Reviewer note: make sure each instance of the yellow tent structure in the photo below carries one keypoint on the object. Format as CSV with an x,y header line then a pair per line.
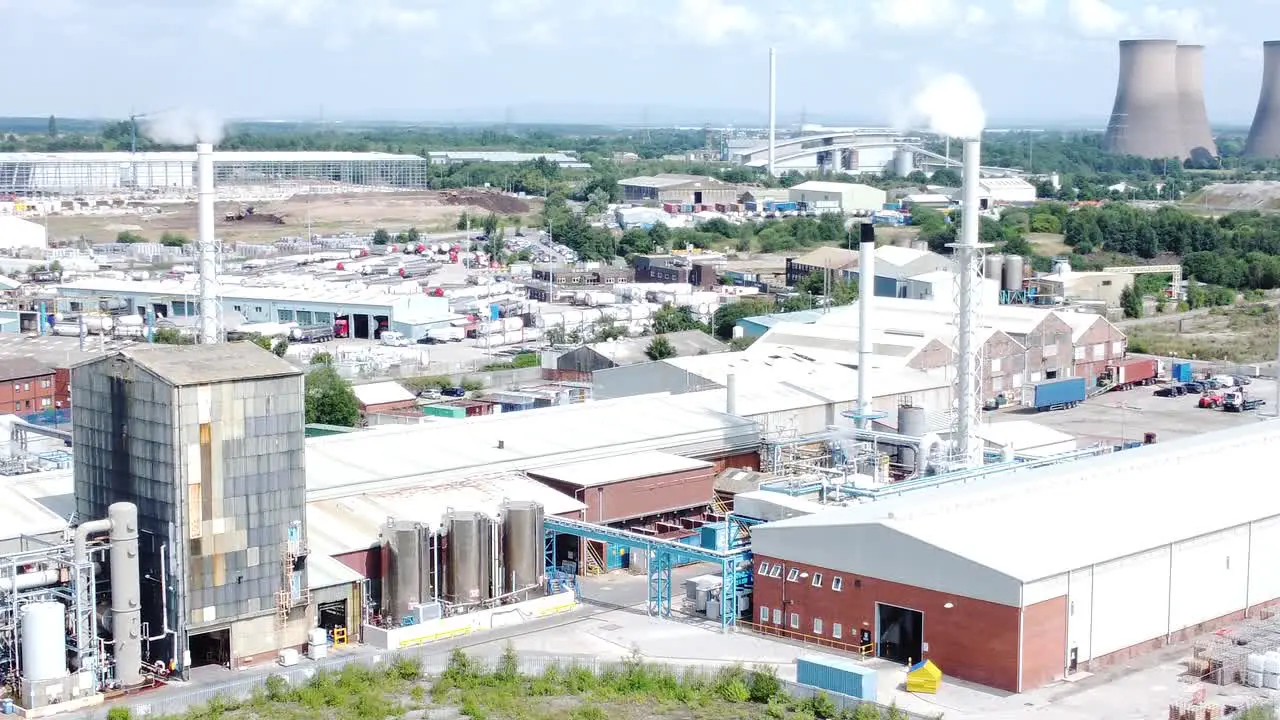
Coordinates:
x,y
924,677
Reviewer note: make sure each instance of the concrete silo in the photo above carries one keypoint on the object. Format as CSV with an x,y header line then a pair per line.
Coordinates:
x,y
1145,120
1197,136
1264,136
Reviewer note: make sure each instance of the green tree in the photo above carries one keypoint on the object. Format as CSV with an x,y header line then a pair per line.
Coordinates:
x,y
491,223
173,239
381,237
171,336
129,237
464,221
496,244
55,267
671,319
727,316
52,130
609,330
330,399
322,358
263,342
660,348
1131,302
412,236
280,346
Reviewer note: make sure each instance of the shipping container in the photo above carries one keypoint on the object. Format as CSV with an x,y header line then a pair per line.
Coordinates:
x,y
671,207
722,207
837,675
446,411
1058,394
1182,372
686,207
1135,372
715,535
750,206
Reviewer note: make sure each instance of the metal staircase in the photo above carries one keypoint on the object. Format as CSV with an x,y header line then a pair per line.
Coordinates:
x,y
293,589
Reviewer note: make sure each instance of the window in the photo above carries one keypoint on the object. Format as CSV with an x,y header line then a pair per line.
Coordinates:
x,y
795,621
837,583
44,402
45,384
237,308
995,365
764,614
1106,283
1080,353
26,386
793,575
777,616
284,315
1117,348
817,626
775,571
817,580
836,630
257,309
764,570
17,387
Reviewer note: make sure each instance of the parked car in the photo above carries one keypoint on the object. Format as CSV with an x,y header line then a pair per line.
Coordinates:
x,y
1194,387
454,392
1170,391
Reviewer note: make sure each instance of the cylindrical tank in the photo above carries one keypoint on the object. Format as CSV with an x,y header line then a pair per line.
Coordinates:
x,y
44,642
993,268
1062,267
470,556
522,545
911,422
405,544
126,592
903,160
1013,272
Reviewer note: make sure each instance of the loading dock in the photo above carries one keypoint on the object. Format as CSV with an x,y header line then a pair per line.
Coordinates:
x,y
899,633
211,647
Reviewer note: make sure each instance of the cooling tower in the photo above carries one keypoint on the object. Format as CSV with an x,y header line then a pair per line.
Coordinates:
x,y
1197,137
1145,119
1264,136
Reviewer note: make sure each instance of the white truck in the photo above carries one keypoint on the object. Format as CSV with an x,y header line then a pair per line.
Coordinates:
x,y
446,334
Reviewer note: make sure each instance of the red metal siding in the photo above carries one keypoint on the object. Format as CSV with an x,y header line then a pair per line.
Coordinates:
x,y
746,461
643,496
366,562
973,640
387,407
1044,642
62,387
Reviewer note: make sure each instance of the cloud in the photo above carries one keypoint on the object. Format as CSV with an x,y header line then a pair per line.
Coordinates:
x,y
1095,18
1031,9
338,16
1187,25
713,22
914,14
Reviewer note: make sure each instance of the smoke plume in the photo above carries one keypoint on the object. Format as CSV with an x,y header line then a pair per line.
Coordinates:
x,y
184,127
948,105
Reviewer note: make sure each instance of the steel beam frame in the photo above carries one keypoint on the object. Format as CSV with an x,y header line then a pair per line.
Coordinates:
x,y
663,555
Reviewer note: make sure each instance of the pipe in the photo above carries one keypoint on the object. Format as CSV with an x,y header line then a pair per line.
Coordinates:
x,y
773,109
207,245
866,293
966,251
80,540
731,394
30,581
126,592
164,597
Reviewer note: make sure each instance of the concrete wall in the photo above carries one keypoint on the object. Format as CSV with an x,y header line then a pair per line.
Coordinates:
x,y
462,625
258,641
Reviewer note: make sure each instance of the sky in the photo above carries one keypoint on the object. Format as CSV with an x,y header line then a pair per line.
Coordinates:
x,y
610,61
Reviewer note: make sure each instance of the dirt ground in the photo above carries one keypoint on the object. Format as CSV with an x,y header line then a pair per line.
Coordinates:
x,y
1048,244
272,220
1260,195
1242,333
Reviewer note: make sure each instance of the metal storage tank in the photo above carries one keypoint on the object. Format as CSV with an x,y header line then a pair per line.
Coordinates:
x,y
408,579
44,641
471,546
1062,267
993,268
522,545
903,162
911,423
1013,272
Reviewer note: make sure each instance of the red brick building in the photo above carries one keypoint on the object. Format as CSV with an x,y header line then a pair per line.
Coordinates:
x,y
1024,577
26,386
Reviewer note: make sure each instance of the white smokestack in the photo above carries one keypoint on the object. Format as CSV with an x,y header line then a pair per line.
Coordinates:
x,y
206,245
773,108
866,294
969,446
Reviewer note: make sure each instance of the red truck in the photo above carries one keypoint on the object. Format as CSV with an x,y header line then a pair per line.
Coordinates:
x,y
1131,373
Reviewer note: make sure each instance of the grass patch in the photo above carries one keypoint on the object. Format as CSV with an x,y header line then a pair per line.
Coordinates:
x,y
1238,333
522,360
1048,244
632,690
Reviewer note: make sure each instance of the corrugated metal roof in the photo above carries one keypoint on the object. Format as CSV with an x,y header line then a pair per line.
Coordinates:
x,y
668,180
379,393
23,368
389,457
1026,437
324,571
831,187
604,471
183,365
628,351
26,516
319,292
1126,503
818,382
352,523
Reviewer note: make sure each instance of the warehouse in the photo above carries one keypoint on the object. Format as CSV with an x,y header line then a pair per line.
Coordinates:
x,y
1005,191
1114,556
381,397
678,189
791,393
894,267
847,198
17,234
629,351
1102,287
1098,344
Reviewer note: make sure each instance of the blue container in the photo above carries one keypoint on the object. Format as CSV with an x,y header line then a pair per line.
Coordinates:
x,y
1182,372
494,312
1059,393
837,675
713,536
617,557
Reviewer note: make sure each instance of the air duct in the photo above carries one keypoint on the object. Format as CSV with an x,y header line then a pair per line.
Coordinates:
x,y
206,244
773,109
1264,136
866,295
1145,120
1197,136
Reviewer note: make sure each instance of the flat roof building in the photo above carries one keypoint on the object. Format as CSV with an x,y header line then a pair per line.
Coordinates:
x,y
679,189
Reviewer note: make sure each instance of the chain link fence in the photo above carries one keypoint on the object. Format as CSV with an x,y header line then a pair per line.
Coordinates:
x,y
177,701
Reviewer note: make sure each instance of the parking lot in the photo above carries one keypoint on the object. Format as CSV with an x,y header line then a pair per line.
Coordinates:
x,y
1119,416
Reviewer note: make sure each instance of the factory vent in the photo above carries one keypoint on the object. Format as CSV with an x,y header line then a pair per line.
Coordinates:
x,y
1146,120
1264,136
1197,136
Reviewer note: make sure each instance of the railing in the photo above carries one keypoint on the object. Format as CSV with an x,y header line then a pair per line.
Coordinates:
x,y
864,651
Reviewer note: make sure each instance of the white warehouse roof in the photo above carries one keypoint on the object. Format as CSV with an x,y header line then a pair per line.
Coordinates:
x,y
319,292
590,473
1039,523
381,393
826,186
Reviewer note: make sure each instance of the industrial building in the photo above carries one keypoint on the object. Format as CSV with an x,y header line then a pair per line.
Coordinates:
x,y
678,189
26,386
912,576
561,160
846,198
1100,287
59,354
895,268
381,397
150,172
850,150
18,234
1006,191
629,351
787,393
368,312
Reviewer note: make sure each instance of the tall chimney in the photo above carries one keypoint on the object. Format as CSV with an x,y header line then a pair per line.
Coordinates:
x,y
1145,120
968,446
1264,136
1197,136
206,245
866,297
773,108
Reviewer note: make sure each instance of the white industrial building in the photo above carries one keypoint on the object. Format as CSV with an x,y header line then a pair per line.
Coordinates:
x,y
1006,191
849,198
19,234
1064,568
